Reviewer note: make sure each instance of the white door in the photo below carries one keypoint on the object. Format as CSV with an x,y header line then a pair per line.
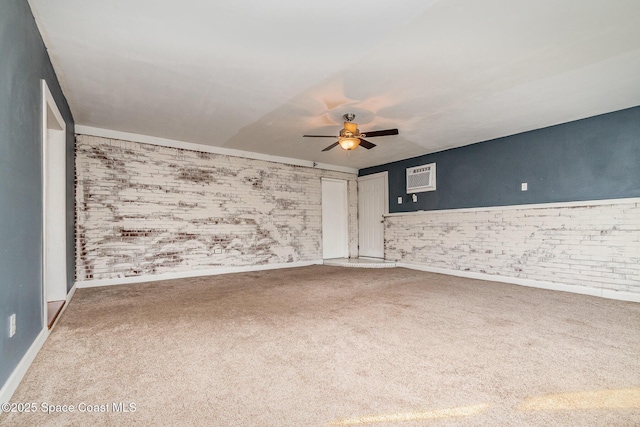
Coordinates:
x,y
372,205
54,214
335,213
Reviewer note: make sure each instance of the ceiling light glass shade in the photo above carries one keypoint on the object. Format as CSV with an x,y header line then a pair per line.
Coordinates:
x,y
349,143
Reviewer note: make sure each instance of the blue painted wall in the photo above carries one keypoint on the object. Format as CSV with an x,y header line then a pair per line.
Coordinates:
x,y
23,63
591,159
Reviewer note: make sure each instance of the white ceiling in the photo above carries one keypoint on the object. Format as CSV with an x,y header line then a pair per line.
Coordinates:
x,y
256,75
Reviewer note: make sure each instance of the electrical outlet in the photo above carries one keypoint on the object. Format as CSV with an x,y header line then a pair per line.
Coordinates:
x,y
217,251
524,186
400,200
12,325
414,197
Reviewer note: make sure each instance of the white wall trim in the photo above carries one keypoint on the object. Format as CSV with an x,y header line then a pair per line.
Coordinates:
x,y
584,290
630,200
19,372
192,273
620,295
172,143
47,99
53,146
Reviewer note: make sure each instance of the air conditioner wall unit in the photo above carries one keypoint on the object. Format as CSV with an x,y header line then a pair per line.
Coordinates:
x,y
421,178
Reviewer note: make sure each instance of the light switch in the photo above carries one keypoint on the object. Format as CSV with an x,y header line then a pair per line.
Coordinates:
x,y
523,186
400,200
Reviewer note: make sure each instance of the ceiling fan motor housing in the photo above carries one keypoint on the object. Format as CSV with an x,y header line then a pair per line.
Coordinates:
x,y
350,129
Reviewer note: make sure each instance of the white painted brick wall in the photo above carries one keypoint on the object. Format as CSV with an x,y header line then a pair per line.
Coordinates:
x,y
143,209
594,246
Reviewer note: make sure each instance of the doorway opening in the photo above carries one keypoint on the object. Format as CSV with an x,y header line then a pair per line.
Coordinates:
x,y
54,249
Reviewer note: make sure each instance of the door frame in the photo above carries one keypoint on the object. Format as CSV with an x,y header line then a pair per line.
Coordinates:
x,y
345,213
385,177
53,140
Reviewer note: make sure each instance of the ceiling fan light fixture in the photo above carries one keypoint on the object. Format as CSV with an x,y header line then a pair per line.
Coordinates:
x,y
350,137
349,143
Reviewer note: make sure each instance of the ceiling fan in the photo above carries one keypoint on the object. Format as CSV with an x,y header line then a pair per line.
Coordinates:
x,y
350,137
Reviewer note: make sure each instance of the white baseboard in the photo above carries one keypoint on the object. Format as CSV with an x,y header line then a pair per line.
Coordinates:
x,y
19,372
620,295
605,293
192,273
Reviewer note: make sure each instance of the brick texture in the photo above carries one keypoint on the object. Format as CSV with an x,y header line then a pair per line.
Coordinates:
x,y
143,209
595,246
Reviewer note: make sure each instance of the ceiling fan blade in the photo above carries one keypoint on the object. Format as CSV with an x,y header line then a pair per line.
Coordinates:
x,y
366,144
381,133
331,146
319,136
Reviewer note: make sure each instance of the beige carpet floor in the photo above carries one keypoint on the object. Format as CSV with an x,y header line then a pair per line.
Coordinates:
x,y
322,346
